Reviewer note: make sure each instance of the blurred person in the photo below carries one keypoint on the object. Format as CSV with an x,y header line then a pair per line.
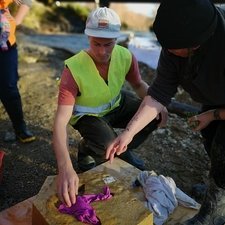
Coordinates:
x,y
9,93
91,99
192,36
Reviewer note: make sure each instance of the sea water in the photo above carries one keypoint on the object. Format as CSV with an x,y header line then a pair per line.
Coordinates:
x,y
145,48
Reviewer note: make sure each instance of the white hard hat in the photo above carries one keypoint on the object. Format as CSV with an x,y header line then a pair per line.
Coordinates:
x,y
103,22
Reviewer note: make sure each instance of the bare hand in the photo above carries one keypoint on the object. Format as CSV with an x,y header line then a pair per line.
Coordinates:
x,y
201,121
67,186
164,117
118,146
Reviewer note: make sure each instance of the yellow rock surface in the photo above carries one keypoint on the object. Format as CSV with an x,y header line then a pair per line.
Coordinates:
x,y
126,207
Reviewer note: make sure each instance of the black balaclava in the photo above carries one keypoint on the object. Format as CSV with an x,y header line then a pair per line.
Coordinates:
x,y
184,23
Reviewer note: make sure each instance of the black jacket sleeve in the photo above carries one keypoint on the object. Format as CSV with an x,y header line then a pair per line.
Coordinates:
x,y
165,84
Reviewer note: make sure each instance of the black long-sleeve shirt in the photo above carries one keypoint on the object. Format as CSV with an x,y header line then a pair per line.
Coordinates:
x,y
201,75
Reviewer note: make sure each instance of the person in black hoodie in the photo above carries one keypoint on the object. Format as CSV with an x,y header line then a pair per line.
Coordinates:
x,y
192,36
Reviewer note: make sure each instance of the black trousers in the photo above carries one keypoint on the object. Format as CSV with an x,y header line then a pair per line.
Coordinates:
x,y
98,132
214,143
9,92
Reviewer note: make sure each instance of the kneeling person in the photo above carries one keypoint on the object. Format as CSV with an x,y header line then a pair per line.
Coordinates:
x,y
91,99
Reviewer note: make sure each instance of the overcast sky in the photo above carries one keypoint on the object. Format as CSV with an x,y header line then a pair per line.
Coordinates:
x,y
144,8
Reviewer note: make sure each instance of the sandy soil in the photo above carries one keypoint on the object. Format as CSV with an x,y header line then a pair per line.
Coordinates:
x,y
173,151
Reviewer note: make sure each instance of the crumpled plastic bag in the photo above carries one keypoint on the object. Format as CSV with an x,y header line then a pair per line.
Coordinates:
x,y
82,210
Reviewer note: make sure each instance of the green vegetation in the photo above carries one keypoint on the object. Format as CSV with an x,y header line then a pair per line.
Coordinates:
x,y
68,17
48,16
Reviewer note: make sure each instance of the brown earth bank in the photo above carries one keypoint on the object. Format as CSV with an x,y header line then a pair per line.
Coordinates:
x,y
173,151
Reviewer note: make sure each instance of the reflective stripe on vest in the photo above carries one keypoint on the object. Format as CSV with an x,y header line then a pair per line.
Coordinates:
x,y
83,110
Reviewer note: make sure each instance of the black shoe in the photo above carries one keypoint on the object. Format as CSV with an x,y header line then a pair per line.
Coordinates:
x,y
25,136
198,192
86,163
131,158
212,211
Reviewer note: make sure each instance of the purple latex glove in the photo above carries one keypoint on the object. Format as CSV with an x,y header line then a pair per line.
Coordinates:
x,y
82,210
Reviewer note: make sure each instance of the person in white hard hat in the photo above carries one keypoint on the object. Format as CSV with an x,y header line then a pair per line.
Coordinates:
x,y
91,99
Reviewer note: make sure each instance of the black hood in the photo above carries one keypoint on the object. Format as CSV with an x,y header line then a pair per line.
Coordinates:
x,y
184,23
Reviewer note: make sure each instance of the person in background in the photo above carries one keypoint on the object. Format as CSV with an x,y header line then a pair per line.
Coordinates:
x,y
192,36
92,100
9,93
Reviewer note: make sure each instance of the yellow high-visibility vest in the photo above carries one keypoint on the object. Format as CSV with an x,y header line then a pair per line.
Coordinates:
x,y
97,97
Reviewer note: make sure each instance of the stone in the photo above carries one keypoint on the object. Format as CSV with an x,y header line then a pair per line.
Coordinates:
x,y
126,207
